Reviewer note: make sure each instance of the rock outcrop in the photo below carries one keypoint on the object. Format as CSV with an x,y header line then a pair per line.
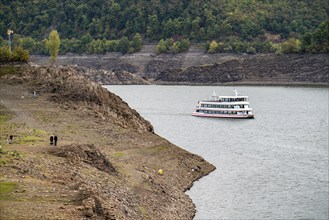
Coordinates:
x,y
273,69
106,77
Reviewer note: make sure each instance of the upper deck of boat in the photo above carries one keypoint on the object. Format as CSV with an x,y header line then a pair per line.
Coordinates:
x,y
227,99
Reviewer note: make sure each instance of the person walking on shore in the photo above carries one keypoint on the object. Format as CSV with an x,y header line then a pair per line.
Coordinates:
x,y
51,139
10,141
55,140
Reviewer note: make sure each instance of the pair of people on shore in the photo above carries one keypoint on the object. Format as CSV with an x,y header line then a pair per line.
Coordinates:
x,y
53,140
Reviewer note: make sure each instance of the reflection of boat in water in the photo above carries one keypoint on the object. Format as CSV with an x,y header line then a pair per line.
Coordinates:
x,y
224,107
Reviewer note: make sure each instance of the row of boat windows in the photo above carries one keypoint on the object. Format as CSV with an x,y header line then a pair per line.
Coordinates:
x,y
222,106
222,112
232,100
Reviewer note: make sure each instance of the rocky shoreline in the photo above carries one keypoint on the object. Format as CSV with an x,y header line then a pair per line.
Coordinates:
x,y
283,69
198,68
107,159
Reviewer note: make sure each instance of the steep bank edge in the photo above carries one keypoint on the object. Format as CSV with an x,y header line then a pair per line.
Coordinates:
x,y
135,192
255,70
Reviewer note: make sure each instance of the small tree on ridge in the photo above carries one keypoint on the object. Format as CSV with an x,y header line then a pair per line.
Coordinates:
x,y
53,43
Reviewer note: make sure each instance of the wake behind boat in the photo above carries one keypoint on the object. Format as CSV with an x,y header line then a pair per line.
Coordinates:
x,y
224,107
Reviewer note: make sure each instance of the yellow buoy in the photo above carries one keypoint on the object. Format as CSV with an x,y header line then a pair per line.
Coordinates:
x,y
160,172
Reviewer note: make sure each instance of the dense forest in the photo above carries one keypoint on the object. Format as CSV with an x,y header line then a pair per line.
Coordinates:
x,y
107,22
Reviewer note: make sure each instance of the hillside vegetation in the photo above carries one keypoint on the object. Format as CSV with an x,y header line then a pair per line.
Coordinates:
x,y
99,23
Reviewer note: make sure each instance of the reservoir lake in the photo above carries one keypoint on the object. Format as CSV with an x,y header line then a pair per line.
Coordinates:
x,y
272,167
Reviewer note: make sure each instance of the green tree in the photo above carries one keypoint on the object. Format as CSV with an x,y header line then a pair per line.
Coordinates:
x,y
136,42
124,45
320,38
85,40
111,45
153,26
175,48
184,45
170,46
161,47
41,48
169,43
53,43
306,41
29,44
251,50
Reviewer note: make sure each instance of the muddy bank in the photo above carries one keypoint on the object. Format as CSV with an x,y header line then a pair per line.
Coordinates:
x,y
106,162
196,67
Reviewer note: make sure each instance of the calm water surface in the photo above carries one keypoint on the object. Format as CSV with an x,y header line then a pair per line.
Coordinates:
x,y
272,167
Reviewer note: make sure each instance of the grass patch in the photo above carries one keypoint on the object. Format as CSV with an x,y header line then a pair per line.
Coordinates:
x,y
159,148
8,156
9,69
71,128
22,135
32,136
4,118
144,212
7,187
29,140
44,117
119,154
5,115
40,133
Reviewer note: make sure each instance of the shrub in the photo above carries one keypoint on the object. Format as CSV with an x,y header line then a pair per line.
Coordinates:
x,y
5,54
20,55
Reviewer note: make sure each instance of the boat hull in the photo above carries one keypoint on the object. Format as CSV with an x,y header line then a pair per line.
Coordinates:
x,y
242,116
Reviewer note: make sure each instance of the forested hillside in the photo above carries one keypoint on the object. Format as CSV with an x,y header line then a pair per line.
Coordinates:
x,y
195,20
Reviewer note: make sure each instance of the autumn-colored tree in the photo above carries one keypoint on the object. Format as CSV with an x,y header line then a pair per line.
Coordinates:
x,y
292,45
213,47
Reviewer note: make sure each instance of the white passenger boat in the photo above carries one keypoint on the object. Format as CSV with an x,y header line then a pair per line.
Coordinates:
x,y
224,107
